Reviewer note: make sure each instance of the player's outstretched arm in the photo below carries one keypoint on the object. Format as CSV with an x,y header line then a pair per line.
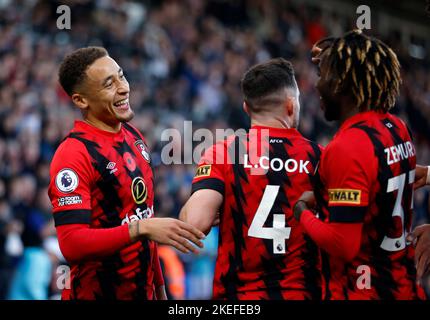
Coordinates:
x,y
201,210
340,240
169,231
421,237
422,176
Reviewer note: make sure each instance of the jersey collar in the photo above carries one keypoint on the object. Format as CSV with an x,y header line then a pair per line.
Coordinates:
x,y
278,132
85,126
357,118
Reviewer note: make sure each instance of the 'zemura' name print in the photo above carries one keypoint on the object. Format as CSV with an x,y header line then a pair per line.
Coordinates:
x,y
399,152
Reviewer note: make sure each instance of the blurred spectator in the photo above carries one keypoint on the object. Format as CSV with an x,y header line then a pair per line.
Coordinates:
x,y
33,274
173,272
200,269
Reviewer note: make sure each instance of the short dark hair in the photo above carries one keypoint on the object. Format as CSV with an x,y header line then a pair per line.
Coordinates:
x,y
72,69
266,78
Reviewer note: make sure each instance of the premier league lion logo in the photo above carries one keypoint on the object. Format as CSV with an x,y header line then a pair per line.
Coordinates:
x,y
66,180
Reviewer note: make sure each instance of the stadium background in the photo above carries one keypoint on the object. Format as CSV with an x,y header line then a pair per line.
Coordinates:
x,y
184,61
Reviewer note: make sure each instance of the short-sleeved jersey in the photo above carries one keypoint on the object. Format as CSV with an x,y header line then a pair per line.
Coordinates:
x,y
367,173
263,251
105,180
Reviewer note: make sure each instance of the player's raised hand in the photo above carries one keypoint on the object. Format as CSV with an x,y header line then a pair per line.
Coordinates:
x,y
171,232
421,237
421,173
318,48
315,52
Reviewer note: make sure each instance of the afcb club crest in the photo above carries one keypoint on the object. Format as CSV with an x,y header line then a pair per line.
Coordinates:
x,y
143,149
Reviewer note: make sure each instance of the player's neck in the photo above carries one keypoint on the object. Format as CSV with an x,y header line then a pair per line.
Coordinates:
x,y
273,122
346,111
103,126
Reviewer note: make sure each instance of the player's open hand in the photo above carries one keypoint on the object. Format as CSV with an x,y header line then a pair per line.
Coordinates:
x,y
173,232
420,176
421,237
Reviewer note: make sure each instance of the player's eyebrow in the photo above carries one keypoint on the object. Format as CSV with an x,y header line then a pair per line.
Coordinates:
x,y
105,81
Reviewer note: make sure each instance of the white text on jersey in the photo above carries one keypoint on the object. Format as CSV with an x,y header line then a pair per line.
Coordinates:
x,y
399,152
140,215
277,164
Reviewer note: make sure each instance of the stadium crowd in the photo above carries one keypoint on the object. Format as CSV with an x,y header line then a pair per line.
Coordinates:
x,y
184,61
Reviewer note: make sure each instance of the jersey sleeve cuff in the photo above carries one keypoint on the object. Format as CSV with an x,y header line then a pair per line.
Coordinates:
x,y
211,183
79,216
347,214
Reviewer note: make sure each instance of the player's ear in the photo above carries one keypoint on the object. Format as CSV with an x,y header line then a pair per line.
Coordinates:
x,y
80,101
245,107
289,106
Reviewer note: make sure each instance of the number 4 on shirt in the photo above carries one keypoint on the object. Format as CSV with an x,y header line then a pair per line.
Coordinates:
x,y
278,233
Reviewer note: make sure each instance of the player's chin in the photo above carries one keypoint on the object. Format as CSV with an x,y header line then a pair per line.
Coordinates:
x,y
125,116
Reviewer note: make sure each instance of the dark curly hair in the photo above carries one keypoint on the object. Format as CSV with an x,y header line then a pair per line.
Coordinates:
x,y
72,69
364,66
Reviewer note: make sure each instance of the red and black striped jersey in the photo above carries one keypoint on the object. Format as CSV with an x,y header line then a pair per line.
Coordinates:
x,y
105,180
367,173
263,251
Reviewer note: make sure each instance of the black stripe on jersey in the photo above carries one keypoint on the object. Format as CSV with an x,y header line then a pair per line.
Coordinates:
x,y
311,272
310,253
315,179
72,217
407,198
141,279
230,280
272,274
111,204
382,281
108,277
347,214
210,183
132,130
144,256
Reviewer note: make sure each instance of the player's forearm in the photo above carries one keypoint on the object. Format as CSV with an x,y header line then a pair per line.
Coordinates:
x,y
183,214
422,176
341,240
80,243
197,216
